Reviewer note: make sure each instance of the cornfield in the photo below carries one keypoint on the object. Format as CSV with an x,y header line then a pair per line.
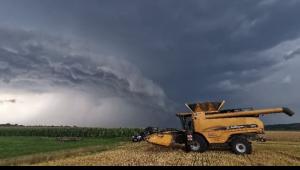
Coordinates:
x,y
68,131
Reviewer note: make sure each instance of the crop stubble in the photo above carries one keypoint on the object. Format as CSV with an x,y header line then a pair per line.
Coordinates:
x,y
277,151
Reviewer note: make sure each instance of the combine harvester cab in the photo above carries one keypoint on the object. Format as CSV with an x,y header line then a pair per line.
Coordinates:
x,y
207,125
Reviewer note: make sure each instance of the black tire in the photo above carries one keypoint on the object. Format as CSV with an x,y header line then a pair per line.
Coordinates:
x,y
187,147
241,146
199,144
134,139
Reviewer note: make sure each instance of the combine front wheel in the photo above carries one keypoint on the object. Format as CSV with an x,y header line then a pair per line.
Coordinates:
x,y
198,144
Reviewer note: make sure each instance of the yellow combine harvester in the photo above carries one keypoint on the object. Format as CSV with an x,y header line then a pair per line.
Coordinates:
x,y
207,125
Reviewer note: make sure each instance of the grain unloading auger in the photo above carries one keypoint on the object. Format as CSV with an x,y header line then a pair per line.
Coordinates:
x,y
207,125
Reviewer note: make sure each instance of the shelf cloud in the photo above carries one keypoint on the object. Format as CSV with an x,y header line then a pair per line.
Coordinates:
x,y
111,63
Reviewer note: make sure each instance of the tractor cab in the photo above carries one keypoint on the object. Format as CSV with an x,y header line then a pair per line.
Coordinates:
x,y
186,121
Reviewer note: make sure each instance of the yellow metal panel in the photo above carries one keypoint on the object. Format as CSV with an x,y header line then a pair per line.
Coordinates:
x,y
245,113
164,139
212,128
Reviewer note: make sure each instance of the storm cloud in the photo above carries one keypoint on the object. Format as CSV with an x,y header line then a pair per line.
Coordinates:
x,y
108,87
150,57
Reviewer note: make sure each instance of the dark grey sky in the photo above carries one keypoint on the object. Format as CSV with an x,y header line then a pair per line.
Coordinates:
x,y
142,60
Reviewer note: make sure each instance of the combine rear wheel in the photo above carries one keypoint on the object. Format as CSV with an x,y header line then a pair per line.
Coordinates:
x,y
198,144
241,146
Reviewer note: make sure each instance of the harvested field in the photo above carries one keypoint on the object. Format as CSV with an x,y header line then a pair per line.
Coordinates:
x,y
274,152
